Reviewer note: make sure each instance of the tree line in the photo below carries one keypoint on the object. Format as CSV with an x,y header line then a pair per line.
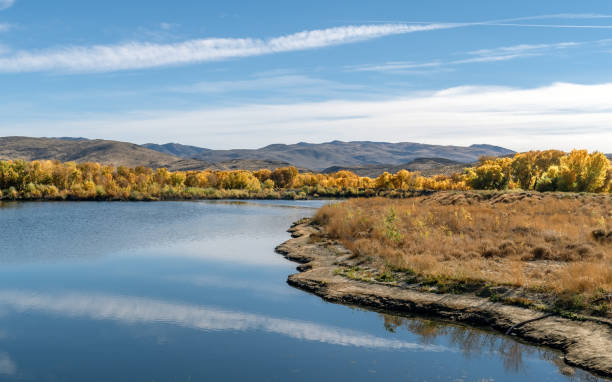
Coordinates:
x,y
551,170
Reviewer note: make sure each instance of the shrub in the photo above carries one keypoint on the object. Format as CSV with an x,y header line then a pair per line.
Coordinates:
x,y
495,239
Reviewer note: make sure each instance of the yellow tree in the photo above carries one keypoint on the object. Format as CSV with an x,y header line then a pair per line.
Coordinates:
x,y
384,181
522,170
595,172
488,176
583,172
283,176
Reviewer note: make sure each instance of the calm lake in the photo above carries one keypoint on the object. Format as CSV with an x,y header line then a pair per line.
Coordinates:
x,y
193,291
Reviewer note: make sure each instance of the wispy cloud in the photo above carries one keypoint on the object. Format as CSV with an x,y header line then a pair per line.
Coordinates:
x,y
560,115
556,26
515,22
271,86
140,55
394,66
522,48
560,16
504,53
256,83
168,26
5,27
4,4
136,55
570,16
554,16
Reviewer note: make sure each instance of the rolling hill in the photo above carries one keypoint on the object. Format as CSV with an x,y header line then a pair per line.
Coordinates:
x,y
364,157
344,154
177,149
80,150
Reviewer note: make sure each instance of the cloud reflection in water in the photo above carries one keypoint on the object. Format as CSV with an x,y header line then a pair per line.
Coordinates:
x,y
142,310
7,366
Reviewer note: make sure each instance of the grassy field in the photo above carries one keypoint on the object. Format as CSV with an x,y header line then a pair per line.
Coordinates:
x,y
548,250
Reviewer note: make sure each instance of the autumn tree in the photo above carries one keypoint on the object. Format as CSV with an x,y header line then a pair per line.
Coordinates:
x,y
491,175
283,176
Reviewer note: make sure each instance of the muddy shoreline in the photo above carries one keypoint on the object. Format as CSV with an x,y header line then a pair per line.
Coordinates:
x,y
585,344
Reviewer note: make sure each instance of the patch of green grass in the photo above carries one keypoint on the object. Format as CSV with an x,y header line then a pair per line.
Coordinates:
x,y
570,302
386,276
518,301
446,284
601,309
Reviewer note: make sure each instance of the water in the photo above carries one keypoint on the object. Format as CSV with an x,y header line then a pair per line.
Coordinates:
x,y
193,291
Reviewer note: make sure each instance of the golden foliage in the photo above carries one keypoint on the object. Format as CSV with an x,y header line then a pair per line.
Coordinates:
x,y
550,170
55,180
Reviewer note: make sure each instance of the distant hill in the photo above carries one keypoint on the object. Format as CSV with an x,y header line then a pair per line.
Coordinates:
x,y
251,165
365,157
71,138
183,151
344,154
81,150
426,166
609,156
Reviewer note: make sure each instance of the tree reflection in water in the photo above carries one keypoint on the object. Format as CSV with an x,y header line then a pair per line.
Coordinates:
x,y
473,342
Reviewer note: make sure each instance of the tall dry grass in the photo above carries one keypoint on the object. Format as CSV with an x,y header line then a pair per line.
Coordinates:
x,y
554,242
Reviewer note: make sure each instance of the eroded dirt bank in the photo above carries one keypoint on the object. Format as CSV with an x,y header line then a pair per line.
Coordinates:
x,y
585,344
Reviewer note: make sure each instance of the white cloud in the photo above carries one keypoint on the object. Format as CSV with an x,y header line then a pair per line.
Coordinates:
x,y
584,16
560,115
167,26
4,4
514,21
136,55
139,55
396,66
269,83
554,26
504,53
5,27
511,22
522,48
141,310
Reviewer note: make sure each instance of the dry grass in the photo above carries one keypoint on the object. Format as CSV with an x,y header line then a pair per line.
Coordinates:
x,y
551,242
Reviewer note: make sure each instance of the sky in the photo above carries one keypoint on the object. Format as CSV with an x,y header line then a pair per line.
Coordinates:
x,y
245,74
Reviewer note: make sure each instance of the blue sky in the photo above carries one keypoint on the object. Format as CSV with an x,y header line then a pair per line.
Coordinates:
x,y
243,74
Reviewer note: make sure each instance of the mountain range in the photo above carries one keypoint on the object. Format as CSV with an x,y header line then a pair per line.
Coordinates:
x,y
80,150
96,150
319,156
362,157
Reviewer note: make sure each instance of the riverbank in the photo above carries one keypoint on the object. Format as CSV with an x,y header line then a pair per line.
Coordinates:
x,y
325,270
307,193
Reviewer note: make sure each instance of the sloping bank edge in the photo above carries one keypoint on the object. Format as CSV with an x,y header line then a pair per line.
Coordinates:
x,y
587,345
